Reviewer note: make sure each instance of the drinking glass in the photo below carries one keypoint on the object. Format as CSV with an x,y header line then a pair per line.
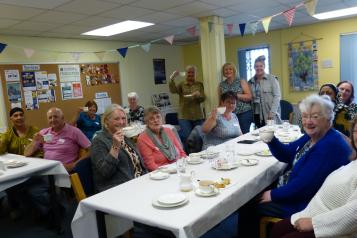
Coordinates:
x,y
181,165
286,125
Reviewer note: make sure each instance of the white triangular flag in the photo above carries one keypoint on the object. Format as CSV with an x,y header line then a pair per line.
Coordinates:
x,y
146,47
170,39
29,52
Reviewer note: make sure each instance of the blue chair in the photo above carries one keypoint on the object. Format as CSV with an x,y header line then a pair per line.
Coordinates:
x,y
286,110
81,179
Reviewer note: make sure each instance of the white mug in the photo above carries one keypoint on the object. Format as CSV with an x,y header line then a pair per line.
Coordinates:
x,y
206,186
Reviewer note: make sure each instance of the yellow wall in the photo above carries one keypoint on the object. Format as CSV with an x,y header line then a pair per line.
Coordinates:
x,y
328,48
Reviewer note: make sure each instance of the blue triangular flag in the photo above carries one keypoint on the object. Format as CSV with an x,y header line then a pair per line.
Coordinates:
x,y
242,28
122,51
2,47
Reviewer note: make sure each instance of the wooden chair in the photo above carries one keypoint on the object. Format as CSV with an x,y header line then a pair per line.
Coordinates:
x,y
264,222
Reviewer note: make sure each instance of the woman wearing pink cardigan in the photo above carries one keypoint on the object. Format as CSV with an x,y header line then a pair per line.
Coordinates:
x,y
158,145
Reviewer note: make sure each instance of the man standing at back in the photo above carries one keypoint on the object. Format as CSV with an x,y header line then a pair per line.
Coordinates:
x,y
60,141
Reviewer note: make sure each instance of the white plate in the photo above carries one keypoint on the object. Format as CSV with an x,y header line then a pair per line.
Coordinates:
x,y
158,175
169,168
202,194
264,153
225,166
15,164
249,162
187,95
171,198
286,139
156,203
245,153
209,154
194,161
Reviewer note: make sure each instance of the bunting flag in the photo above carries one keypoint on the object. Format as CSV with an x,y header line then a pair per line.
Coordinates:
x,y
230,28
2,47
253,27
122,51
210,26
310,6
289,15
266,23
28,52
191,30
170,39
146,47
76,55
242,29
100,55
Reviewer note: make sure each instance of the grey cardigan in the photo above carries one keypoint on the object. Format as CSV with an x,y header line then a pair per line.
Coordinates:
x,y
109,171
270,96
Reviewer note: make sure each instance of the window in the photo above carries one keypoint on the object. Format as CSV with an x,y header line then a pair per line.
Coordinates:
x,y
246,58
348,56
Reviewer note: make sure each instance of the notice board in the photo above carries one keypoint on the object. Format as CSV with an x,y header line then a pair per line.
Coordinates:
x,y
38,87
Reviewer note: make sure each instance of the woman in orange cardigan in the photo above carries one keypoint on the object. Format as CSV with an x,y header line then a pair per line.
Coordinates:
x,y
158,145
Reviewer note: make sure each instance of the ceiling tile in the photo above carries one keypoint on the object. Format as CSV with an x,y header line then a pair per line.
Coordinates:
x,y
222,12
326,8
192,8
159,4
222,3
4,23
156,28
96,21
43,4
185,21
127,12
19,32
58,17
253,5
72,29
119,1
34,26
21,13
88,7
158,17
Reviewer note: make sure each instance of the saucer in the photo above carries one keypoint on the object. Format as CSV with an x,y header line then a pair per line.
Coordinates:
x,y
198,192
264,153
156,203
15,164
249,162
169,168
195,161
171,198
226,166
209,154
158,175
187,95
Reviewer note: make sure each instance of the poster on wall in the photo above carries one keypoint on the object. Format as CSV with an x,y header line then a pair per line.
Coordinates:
x,y
28,81
71,90
12,75
46,96
97,74
159,71
52,80
14,92
303,66
69,73
77,90
31,101
161,100
41,80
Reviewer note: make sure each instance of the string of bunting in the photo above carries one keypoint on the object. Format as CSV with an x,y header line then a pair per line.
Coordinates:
x,y
252,27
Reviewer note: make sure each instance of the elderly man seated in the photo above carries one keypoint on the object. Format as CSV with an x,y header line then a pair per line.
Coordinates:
x,y
60,141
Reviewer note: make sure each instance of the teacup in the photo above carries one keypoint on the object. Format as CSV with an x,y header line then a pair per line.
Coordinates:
x,y
266,135
182,74
194,158
221,110
47,137
85,109
128,131
206,186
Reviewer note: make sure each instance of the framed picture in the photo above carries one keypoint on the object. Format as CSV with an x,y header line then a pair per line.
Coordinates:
x,y
159,71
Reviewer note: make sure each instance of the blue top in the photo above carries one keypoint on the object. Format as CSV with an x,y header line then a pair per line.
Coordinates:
x,y
88,126
223,131
310,171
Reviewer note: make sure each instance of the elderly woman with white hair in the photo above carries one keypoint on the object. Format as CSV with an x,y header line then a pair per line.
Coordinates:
x,y
136,112
310,159
114,158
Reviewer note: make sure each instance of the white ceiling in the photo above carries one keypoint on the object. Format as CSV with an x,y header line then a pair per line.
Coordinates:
x,y
70,18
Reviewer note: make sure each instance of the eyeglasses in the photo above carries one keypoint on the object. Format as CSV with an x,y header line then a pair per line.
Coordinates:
x,y
313,117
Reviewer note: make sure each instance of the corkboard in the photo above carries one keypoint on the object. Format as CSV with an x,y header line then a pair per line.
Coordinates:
x,y
69,107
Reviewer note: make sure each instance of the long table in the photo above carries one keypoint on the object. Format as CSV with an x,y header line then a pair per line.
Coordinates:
x,y
132,201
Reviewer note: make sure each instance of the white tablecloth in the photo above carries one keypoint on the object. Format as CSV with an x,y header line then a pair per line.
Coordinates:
x,y
34,166
133,199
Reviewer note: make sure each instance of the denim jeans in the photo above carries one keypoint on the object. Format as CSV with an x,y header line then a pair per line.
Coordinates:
x,y
186,126
245,119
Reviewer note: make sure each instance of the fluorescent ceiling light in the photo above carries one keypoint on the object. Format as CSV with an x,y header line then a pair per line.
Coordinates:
x,y
337,13
118,28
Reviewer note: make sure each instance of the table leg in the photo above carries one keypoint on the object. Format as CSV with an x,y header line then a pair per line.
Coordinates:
x,y
55,206
102,231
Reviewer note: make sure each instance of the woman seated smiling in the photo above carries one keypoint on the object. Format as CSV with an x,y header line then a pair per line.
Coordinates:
x,y
158,145
222,127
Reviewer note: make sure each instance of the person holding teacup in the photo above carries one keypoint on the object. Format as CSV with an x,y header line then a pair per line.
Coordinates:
x,y
87,120
60,141
239,86
310,159
191,95
223,125
157,144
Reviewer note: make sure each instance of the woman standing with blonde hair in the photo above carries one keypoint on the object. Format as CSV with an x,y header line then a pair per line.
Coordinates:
x,y
240,87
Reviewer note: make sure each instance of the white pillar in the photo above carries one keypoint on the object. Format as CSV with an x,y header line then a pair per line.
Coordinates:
x,y
213,57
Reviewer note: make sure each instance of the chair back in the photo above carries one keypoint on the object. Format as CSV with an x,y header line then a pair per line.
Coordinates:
x,y
286,109
82,179
171,118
